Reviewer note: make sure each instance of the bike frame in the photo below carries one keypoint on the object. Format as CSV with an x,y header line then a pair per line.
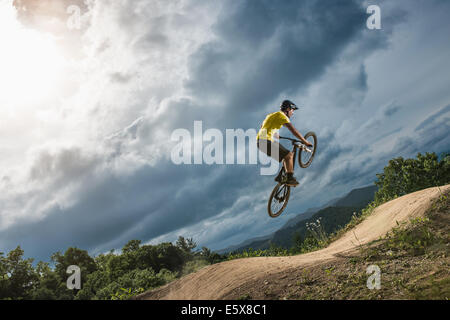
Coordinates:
x,y
295,146
281,192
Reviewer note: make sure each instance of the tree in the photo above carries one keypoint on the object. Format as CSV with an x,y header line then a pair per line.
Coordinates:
x,y
117,266
148,257
206,252
132,245
17,276
49,285
73,256
210,256
186,244
402,176
94,283
135,281
169,256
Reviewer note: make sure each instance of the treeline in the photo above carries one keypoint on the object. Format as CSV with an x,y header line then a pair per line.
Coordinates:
x,y
136,269
403,176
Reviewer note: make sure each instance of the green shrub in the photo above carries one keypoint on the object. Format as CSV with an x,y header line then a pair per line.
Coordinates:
x,y
193,266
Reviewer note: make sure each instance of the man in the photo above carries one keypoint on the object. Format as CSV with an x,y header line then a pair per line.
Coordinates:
x,y
269,130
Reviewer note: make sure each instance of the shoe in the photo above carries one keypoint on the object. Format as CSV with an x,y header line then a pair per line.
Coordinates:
x,y
292,182
279,177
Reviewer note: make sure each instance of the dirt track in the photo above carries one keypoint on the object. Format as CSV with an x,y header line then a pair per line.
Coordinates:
x,y
215,281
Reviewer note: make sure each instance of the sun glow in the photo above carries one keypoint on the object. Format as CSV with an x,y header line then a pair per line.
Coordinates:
x,y
30,62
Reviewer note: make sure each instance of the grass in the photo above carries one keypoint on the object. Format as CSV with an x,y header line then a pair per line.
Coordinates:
x,y
194,266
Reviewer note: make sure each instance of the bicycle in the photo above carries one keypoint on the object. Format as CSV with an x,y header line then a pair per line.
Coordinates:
x,y
281,192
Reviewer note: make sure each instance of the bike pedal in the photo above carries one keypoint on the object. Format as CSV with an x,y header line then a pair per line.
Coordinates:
x,y
292,185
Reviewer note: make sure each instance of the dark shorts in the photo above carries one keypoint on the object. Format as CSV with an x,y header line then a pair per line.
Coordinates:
x,y
270,148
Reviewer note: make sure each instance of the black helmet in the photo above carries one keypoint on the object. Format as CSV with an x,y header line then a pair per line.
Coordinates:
x,y
288,104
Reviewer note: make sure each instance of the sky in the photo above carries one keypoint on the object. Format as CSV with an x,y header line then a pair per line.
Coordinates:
x,y
92,91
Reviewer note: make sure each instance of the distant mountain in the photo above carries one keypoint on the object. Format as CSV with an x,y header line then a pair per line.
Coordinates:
x,y
307,214
357,197
332,219
335,214
301,216
245,244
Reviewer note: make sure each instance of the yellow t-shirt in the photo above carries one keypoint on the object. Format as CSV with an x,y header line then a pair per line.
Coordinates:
x,y
272,123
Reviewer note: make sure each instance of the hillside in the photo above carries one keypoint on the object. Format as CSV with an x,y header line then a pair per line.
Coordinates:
x,y
334,214
235,278
332,219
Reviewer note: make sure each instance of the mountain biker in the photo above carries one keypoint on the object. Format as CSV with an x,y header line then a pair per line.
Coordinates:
x,y
269,129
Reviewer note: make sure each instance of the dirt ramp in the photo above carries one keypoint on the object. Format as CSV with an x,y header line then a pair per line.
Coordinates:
x,y
215,281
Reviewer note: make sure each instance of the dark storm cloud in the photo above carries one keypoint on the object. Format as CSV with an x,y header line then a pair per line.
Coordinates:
x,y
391,110
376,122
65,165
389,133
264,50
361,81
150,203
431,135
442,116
328,150
337,164
304,38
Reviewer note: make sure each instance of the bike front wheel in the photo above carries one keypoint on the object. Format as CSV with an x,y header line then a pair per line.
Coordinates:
x,y
278,200
305,157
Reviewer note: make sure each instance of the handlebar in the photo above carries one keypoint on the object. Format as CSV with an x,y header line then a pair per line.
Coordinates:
x,y
295,141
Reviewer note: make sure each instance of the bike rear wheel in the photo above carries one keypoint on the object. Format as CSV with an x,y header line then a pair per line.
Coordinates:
x,y
278,200
306,157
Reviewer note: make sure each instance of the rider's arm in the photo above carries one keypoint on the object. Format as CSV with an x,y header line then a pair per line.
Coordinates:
x,y
296,133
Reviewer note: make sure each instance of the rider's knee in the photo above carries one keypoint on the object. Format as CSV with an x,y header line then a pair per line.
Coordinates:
x,y
290,155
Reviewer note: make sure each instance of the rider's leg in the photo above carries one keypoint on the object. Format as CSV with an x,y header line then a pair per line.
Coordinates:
x,y
285,162
288,162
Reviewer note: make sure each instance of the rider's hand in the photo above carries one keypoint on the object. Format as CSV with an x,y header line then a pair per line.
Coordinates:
x,y
308,144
